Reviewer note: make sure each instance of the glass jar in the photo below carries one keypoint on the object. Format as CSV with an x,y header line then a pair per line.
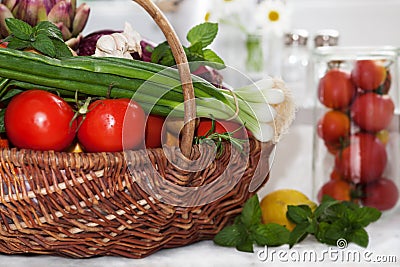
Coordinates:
x,y
295,64
356,139
326,37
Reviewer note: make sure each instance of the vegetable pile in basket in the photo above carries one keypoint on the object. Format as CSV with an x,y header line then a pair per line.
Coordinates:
x,y
79,87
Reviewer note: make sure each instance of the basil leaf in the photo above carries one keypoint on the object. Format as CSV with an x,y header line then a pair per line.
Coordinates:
x,y
20,29
270,234
251,213
204,33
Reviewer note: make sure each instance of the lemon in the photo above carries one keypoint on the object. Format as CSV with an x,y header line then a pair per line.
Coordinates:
x,y
274,206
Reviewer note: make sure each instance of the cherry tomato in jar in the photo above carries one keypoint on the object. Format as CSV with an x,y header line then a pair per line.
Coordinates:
x,y
337,189
335,89
385,87
363,161
205,126
112,125
372,112
368,75
381,194
39,120
334,126
153,135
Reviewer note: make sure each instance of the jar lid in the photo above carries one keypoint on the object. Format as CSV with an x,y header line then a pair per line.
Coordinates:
x,y
296,37
328,37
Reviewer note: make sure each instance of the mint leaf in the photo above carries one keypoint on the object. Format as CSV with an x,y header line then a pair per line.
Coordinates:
x,y
299,232
18,44
323,209
162,54
246,245
360,237
251,213
44,45
62,49
299,214
204,33
230,236
195,51
365,215
19,28
50,29
215,61
270,234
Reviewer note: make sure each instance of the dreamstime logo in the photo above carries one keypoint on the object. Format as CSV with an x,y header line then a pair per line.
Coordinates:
x,y
340,253
146,171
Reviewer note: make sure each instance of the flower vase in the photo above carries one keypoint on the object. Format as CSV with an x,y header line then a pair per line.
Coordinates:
x,y
255,58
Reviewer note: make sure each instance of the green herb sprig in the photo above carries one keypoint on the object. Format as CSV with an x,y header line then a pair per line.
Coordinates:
x,y
331,221
200,37
45,37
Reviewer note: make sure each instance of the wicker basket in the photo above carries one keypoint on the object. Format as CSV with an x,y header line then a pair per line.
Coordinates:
x,y
90,204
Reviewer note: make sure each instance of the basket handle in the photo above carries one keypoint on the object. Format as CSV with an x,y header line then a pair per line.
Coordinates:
x,y
184,73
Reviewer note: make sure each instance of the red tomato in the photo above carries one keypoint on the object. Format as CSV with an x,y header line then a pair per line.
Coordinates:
x,y
368,75
335,175
363,161
154,125
205,126
334,126
381,194
337,189
112,125
372,112
3,45
39,120
335,89
335,147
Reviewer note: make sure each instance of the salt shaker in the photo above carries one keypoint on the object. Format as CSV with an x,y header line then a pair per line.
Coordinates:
x,y
295,63
327,37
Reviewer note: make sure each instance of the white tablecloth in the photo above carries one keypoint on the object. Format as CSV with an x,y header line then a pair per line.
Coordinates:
x,y
291,169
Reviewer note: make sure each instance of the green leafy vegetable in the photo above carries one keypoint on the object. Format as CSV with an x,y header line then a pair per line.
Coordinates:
x,y
248,229
200,37
331,222
45,37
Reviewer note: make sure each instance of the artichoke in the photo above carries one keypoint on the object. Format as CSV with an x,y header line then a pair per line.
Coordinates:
x,y
70,19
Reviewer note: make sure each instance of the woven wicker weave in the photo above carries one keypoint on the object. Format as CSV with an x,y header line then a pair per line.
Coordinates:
x,y
90,204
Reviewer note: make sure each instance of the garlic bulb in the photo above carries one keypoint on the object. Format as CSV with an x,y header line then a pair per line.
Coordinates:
x,y
119,44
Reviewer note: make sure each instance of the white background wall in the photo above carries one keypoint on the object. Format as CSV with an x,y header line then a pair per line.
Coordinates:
x,y
360,22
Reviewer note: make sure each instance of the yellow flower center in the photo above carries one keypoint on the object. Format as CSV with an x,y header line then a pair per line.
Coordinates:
x,y
207,16
228,0
273,15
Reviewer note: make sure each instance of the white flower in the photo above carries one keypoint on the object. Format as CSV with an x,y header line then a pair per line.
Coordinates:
x,y
119,44
274,16
238,13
